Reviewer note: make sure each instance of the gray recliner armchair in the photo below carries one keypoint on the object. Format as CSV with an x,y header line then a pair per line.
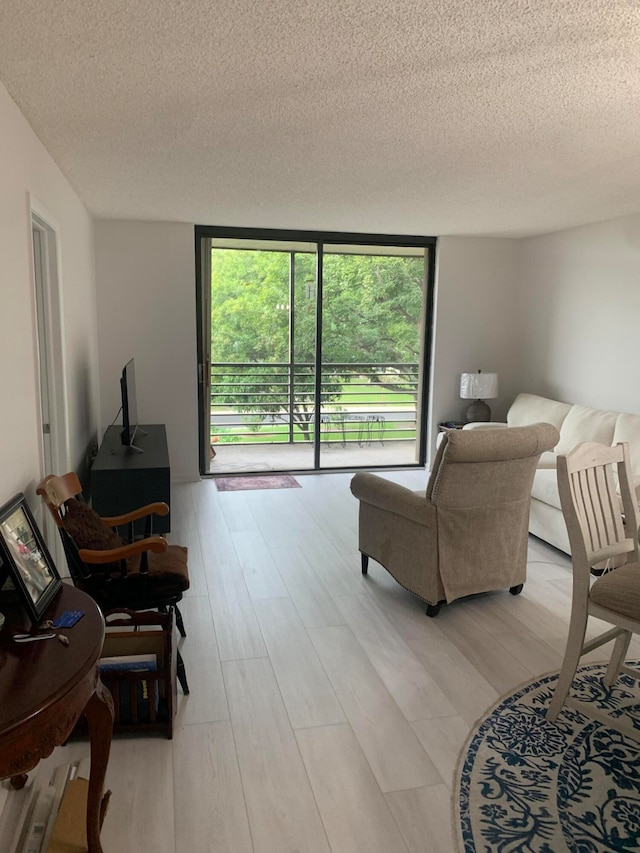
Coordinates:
x,y
468,533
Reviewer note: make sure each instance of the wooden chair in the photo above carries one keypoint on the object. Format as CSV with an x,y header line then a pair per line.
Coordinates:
x,y
143,574
599,529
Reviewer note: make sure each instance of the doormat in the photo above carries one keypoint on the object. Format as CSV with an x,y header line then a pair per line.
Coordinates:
x,y
239,484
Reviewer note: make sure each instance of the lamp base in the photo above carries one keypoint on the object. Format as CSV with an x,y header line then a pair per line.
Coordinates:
x,y
478,411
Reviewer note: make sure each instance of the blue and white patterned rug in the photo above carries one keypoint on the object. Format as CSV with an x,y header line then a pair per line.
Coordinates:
x,y
528,785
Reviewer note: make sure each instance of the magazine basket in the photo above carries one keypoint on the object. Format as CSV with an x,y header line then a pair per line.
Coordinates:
x,y
144,695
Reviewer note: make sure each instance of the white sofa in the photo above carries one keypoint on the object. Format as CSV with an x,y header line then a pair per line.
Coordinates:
x,y
575,424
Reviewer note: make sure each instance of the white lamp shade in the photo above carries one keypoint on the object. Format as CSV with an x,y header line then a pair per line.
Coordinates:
x,y
478,386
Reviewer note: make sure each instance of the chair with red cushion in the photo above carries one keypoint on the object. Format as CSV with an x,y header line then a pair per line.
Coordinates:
x,y
117,572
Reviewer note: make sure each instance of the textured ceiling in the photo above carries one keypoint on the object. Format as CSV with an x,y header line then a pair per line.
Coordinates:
x,y
505,117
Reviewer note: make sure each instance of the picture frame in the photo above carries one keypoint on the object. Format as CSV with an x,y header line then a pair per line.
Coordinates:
x,y
26,559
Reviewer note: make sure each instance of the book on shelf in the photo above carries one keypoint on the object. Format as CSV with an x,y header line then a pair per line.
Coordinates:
x,y
146,691
133,663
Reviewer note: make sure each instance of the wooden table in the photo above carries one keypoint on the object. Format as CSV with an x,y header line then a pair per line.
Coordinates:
x,y
45,687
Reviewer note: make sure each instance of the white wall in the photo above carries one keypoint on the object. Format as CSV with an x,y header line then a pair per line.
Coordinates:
x,y
580,304
554,315
145,274
146,308
477,324
28,172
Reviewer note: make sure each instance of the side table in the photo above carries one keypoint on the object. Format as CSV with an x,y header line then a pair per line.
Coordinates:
x,y
45,687
445,426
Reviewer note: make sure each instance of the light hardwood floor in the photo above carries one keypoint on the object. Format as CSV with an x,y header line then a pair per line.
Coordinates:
x,y
326,710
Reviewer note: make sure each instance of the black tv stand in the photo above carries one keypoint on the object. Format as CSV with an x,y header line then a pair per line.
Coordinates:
x,y
122,481
130,444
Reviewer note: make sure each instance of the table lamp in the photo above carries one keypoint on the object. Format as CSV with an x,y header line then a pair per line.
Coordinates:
x,y
478,387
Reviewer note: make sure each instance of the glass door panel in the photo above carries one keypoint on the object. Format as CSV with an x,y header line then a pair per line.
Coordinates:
x,y
262,356
372,334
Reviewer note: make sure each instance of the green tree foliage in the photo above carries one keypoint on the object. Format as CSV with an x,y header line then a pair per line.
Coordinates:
x,y
370,314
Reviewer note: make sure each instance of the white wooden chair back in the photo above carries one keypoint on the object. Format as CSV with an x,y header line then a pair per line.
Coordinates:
x,y
599,505
601,513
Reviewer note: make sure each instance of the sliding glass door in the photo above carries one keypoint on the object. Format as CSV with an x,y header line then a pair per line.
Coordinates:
x,y
372,354
312,352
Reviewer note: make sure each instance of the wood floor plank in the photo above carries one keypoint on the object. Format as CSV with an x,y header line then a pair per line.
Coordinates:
x,y
209,801
442,740
207,701
283,815
237,512
388,741
141,813
216,541
417,694
339,573
307,693
354,811
467,690
530,613
314,604
340,517
492,660
234,618
279,514
260,573
424,818
535,654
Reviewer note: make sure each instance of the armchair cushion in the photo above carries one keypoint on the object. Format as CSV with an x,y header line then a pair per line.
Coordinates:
x,y
87,529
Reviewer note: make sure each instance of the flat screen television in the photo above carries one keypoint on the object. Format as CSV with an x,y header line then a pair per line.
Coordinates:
x,y
129,405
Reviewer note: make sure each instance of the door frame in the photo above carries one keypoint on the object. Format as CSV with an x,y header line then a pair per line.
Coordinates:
x,y
322,239
48,322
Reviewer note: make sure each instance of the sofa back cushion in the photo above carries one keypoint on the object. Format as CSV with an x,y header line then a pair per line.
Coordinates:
x,y
584,424
530,409
628,429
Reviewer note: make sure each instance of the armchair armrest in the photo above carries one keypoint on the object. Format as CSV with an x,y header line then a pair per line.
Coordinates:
x,y
392,497
113,555
158,508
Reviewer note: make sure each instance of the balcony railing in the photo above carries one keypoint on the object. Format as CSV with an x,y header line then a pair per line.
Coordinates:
x,y
275,402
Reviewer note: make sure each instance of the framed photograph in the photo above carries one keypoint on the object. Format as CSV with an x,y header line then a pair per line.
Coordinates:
x,y
25,556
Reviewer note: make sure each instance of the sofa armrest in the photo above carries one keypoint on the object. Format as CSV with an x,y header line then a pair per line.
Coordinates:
x,y
391,497
485,425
